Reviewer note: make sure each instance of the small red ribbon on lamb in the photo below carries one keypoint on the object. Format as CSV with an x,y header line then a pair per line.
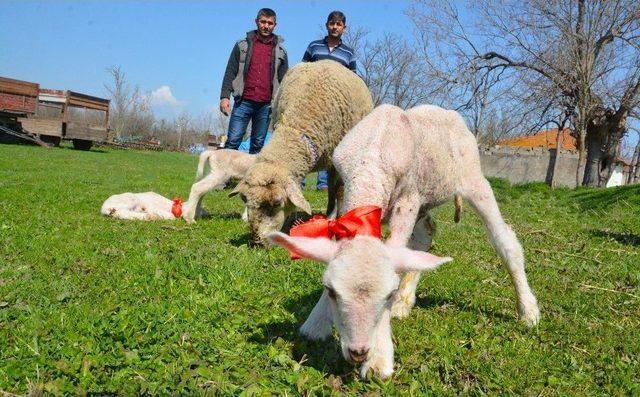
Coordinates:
x,y
361,220
176,208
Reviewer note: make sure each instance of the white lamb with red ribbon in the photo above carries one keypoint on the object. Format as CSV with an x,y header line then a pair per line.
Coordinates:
x,y
146,206
405,163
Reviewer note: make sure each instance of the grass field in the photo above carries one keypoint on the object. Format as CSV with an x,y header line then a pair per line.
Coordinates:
x,y
90,305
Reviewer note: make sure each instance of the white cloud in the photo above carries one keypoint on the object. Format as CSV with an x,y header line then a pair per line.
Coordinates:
x,y
164,97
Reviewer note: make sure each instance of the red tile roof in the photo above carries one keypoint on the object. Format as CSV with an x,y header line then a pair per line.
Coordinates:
x,y
546,139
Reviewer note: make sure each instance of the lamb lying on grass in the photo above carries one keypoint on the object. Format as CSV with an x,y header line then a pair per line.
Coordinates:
x,y
142,206
224,164
405,162
317,103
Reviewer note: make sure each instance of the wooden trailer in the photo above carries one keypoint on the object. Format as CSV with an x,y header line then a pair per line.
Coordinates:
x,y
53,115
18,99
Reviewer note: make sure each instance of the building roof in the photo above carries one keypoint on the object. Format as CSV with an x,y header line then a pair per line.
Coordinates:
x,y
545,139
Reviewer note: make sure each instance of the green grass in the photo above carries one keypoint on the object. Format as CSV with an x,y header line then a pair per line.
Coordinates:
x,y
90,305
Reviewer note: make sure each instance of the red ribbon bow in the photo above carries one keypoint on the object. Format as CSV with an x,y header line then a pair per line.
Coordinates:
x,y
176,208
361,220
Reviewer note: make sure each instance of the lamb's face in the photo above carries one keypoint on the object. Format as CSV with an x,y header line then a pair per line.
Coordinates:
x,y
361,279
361,283
269,197
266,209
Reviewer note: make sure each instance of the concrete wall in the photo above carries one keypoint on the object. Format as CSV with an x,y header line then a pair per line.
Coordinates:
x,y
521,165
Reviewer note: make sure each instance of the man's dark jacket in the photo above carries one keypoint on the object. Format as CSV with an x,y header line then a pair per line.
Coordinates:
x,y
239,62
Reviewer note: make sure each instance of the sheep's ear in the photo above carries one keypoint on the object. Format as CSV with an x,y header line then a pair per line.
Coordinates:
x,y
315,248
408,260
295,196
235,191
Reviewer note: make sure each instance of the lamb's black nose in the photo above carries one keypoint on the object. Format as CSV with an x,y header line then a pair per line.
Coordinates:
x,y
358,356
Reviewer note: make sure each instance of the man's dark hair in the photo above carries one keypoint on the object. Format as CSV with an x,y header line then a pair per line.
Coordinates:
x,y
337,16
266,12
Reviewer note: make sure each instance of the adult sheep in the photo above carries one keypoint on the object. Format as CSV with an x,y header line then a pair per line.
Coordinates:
x,y
316,105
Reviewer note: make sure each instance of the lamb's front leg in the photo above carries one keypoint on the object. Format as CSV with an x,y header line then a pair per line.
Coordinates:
x,y
198,190
381,358
319,322
402,223
421,239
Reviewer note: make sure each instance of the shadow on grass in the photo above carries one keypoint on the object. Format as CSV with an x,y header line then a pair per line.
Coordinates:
x,y
243,239
223,216
92,150
601,198
436,302
622,238
324,356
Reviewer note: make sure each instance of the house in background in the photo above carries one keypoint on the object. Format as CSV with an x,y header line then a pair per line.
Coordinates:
x,y
620,173
548,139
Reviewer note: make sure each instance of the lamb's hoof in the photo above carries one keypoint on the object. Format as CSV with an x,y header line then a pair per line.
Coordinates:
x,y
531,316
315,332
379,369
400,309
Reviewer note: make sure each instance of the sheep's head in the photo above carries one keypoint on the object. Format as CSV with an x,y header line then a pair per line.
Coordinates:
x,y
270,195
361,280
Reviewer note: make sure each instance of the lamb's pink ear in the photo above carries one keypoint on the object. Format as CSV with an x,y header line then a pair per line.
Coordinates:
x,y
314,248
408,260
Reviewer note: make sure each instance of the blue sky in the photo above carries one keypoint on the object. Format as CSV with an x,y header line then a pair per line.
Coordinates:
x,y
176,49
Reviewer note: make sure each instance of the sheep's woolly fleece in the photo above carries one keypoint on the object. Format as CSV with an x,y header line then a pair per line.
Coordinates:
x,y
322,100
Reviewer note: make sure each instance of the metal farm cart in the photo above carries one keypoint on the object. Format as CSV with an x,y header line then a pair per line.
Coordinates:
x,y
56,114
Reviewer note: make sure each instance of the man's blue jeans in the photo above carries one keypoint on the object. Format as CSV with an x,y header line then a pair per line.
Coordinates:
x,y
243,111
322,180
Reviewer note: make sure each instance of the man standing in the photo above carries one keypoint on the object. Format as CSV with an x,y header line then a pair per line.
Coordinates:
x,y
254,71
331,47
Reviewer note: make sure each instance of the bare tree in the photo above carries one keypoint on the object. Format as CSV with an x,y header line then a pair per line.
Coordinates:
x,y
391,68
634,170
392,71
576,57
131,113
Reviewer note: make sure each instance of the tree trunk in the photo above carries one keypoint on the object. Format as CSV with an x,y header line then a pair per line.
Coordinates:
x,y
556,162
581,136
595,148
604,133
634,171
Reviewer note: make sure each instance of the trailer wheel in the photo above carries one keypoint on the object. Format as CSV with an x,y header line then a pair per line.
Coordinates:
x,y
82,144
54,140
